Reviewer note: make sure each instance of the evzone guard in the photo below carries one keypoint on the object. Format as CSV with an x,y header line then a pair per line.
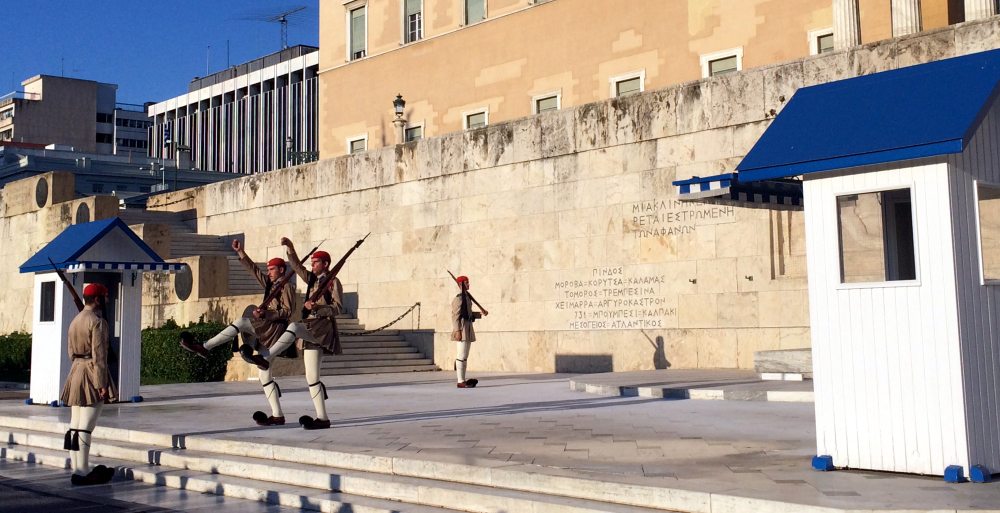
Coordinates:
x,y
89,384
462,317
317,332
265,331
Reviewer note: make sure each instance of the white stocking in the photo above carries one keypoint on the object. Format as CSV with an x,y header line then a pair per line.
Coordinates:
x,y
83,418
461,357
284,342
316,389
271,393
241,325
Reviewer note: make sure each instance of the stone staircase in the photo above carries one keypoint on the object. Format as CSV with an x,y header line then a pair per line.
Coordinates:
x,y
384,351
329,480
185,242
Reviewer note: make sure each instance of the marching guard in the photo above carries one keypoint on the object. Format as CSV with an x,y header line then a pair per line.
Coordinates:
x,y
263,331
317,332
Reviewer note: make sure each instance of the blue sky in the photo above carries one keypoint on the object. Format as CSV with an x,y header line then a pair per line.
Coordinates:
x,y
150,48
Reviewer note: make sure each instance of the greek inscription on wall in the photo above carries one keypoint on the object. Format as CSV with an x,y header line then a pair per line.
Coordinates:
x,y
612,298
656,218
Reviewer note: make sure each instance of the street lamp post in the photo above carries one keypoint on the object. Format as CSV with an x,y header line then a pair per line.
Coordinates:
x,y
398,105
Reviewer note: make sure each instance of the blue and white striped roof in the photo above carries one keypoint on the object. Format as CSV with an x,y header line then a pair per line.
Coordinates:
x,y
105,245
728,187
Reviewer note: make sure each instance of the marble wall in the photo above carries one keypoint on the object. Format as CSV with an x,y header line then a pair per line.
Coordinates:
x,y
566,223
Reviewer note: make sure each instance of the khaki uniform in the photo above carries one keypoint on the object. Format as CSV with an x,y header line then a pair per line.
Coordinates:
x,y
462,326
275,319
88,349
322,319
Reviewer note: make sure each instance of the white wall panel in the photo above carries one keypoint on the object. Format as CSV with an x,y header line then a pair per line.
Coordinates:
x,y
979,305
886,356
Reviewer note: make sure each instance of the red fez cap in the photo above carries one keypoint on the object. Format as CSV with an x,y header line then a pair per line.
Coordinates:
x,y
276,262
321,255
95,289
461,279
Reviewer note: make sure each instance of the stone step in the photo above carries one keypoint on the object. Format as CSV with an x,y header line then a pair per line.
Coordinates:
x,y
380,357
334,362
379,350
369,338
374,343
377,370
790,364
213,483
303,477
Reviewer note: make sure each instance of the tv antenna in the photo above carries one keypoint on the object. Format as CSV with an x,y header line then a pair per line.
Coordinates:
x,y
281,18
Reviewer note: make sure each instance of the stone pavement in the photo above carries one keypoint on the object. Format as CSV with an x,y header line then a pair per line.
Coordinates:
x,y
707,384
706,456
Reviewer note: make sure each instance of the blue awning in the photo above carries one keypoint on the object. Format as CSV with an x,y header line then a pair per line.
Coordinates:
x,y
88,246
730,187
920,111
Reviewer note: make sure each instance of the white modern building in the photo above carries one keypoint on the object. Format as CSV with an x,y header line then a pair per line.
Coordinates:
x,y
250,118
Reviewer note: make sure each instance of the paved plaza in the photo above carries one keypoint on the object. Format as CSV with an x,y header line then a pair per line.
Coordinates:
x,y
730,455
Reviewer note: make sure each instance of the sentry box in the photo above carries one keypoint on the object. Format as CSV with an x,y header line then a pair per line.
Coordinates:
x,y
105,252
900,180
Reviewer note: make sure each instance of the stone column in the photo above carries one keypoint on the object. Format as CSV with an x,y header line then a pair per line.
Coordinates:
x,y
979,9
846,24
905,17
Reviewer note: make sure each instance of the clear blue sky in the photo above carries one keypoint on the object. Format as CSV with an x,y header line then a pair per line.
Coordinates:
x,y
150,48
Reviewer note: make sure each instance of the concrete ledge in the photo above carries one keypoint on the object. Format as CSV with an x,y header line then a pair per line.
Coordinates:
x,y
696,384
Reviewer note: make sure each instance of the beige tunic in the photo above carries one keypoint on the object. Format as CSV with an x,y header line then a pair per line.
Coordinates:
x,y
88,349
462,326
322,319
275,319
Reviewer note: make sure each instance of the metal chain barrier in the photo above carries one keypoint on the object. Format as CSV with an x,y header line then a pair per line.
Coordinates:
x,y
380,328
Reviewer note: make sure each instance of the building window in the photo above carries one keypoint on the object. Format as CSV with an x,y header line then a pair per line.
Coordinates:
x,y
722,63
47,303
413,19
988,216
105,138
475,11
7,135
105,118
545,103
876,237
357,34
7,114
474,120
820,41
357,144
97,188
624,85
414,133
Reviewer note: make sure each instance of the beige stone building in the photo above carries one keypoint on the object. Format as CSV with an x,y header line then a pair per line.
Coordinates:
x,y
463,64
567,222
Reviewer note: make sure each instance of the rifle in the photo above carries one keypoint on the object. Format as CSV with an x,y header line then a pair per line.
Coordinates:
x,y
332,273
282,281
72,290
466,292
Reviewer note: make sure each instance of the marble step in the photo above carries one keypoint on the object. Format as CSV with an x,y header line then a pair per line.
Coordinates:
x,y
374,343
374,337
784,362
378,357
299,483
211,482
335,362
386,369
378,350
